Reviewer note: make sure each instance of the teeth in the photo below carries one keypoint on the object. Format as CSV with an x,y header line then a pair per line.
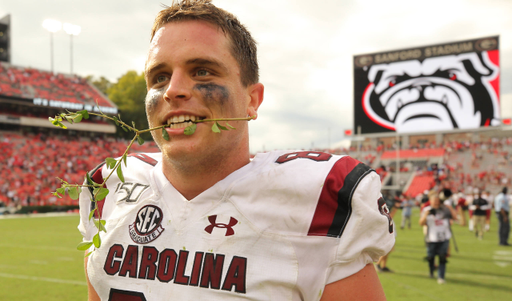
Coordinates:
x,y
180,125
177,122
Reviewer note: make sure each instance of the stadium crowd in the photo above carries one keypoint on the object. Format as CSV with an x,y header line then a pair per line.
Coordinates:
x,y
31,165
29,83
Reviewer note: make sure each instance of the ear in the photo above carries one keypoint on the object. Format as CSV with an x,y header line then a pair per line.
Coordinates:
x,y
256,98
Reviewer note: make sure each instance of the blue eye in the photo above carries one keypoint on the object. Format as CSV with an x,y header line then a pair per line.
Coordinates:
x,y
161,78
203,73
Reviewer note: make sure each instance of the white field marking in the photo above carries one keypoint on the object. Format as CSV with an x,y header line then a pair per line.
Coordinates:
x,y
460,275
32,247
504,253
32,215
501,264
66,259
33,278
40,262
502,258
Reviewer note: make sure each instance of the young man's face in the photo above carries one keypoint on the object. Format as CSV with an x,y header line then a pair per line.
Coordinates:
x,y
435,202
191,74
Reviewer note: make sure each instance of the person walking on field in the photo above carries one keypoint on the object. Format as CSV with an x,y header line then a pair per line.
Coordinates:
x,y
437,217
407,205
502,209
479,215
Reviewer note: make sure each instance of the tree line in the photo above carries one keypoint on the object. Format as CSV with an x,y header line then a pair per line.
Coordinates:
x,y
128,93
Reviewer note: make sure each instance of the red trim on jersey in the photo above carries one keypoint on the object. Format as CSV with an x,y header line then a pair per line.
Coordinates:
x,y
328,200
144,158
97,177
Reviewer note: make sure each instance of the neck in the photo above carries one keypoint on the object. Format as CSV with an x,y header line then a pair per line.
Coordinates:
x,y
191,178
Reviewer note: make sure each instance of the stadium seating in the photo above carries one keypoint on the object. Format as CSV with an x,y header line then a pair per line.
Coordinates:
x,y
31,165
32,83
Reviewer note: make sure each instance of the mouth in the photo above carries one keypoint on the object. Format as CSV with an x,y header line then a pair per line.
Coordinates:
x,y
182,121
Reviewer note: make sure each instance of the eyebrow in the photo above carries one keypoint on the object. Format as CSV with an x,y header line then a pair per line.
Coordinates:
x,y
154,68
207,62
196,61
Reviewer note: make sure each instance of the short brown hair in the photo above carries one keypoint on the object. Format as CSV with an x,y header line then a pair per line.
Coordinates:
x,y
243,46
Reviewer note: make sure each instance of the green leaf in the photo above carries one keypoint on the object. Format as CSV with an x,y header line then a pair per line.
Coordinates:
x,y
229,125
96,240
100,193
77,118
111,162
215,128
100,224
88,254
61,190
140,140
69,119
57,195
84,114
133,124
165,134
116,120
92,213
120,173
189,130
84,245
124,160
57,121
124,128
89,180
59,124
222,127
73,193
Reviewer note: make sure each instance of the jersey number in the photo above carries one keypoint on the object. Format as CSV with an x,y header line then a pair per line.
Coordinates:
x,y
120,295
315,156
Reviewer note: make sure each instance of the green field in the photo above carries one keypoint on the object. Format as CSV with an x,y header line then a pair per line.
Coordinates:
x,y
38,261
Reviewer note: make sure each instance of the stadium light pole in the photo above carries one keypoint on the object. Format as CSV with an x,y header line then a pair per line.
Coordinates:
x,y
71,30
52,26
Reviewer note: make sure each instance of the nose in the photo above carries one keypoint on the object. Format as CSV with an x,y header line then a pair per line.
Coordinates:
x,y
179,87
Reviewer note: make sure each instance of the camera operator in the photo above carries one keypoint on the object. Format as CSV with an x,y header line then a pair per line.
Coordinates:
x,y
437,218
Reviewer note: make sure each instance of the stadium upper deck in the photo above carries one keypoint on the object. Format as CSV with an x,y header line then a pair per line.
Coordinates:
x,y
28,96
46,88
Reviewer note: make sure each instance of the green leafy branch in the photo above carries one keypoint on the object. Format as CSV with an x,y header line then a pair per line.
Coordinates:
x,y
99,191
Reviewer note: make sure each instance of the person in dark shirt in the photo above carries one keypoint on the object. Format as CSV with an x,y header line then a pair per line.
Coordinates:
x,y
480,205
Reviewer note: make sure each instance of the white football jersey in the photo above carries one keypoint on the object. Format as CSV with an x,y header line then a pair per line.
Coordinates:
x,y
280,228
438,224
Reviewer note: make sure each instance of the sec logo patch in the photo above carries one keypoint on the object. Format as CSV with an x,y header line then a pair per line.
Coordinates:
x,y
147,226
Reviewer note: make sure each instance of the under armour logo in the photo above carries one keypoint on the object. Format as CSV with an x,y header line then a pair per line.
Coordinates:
x,y
229,227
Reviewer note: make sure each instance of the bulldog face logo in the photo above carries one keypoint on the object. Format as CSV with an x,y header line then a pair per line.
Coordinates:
x,y
439,93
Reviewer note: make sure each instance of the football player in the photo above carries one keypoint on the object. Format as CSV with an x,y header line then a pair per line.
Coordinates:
x,y
201,220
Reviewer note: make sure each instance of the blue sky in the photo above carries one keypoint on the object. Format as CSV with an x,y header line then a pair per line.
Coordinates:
x,y
305,49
